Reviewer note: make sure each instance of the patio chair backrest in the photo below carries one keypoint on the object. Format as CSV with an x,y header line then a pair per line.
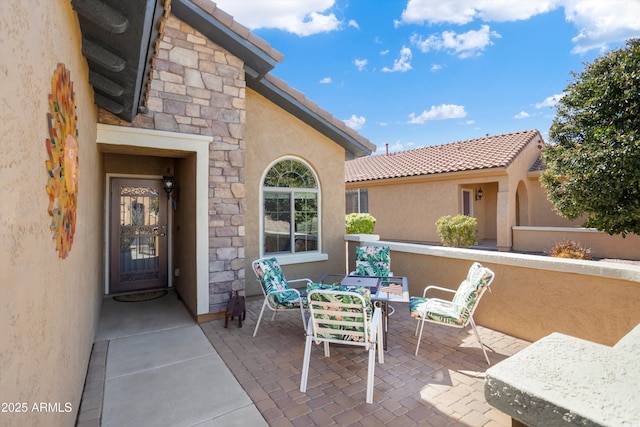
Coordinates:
x,y
471,289
341,313
373,261
271,278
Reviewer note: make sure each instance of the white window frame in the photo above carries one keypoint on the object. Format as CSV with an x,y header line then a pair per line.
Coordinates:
x,y
358,192
299,257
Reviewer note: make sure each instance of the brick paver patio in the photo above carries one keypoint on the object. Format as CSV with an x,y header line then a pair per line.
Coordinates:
x,y
442,386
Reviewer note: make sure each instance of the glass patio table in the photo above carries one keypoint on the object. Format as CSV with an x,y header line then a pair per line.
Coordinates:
x,y
384,289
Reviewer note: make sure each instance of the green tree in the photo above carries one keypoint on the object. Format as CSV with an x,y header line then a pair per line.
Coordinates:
x,y
593,159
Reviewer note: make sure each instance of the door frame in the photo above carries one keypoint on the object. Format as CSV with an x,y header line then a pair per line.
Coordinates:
x,y
114,139
107,228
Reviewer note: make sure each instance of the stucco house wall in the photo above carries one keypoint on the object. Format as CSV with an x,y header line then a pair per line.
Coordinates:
x,y
273,134
48,306
407,209
542,211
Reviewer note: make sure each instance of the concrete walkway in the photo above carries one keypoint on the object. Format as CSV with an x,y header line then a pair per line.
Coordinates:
x,y
152,365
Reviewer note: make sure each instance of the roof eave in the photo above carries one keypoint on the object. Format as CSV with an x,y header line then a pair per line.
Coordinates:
x,y
118,46
436,176
257,62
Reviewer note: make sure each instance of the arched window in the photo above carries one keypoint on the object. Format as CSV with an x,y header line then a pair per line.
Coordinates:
x,y
291,214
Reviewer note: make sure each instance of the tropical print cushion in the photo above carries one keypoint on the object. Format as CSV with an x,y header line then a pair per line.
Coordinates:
x,y
373,261
347,299
272,279
457,311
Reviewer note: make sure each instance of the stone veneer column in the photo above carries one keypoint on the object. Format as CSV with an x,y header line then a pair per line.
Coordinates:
x,y
199,88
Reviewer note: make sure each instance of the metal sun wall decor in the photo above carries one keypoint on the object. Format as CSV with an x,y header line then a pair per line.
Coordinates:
x,y
63,164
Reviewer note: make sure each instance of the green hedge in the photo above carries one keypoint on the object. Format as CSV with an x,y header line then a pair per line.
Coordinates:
x,y
458,231
360,223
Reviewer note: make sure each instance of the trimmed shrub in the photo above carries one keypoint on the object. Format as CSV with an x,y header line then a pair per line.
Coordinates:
x,y
458,231
360,223
570,249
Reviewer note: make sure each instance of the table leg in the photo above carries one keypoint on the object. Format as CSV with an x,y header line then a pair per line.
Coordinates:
x,y
386,322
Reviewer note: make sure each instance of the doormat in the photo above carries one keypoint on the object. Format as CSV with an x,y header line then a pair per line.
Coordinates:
x,y
141,296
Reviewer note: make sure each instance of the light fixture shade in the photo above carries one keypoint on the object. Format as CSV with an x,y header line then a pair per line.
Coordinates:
x,y
168,184
479,193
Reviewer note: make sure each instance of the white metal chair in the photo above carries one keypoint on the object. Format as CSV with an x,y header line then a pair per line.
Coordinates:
x,y
342,316
457,312
278,295
373,261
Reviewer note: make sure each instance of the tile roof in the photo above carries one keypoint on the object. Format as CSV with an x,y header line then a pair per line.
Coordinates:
x,y
474,154
538,165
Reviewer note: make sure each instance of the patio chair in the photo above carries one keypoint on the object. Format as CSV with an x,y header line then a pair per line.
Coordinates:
x,y
278,295
457,312
373,261
342,315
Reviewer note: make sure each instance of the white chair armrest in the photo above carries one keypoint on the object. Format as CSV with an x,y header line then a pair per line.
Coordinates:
x,y
424,293
285,290
309,281
272,294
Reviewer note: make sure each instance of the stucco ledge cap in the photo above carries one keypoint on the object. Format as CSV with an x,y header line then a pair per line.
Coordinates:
x,y
361,237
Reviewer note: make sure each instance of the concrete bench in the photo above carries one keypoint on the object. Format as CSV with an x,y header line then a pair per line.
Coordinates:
x,y
565,381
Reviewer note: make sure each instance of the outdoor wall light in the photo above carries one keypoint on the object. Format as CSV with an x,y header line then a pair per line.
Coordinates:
x,y
479,194
168,183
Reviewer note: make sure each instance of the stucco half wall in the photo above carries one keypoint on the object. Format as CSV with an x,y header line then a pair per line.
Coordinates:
x,y
48,306
531,296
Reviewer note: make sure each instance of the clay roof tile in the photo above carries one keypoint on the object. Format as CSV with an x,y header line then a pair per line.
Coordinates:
x,y
482,153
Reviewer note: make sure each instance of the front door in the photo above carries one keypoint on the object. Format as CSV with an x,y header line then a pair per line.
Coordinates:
x,y
138,235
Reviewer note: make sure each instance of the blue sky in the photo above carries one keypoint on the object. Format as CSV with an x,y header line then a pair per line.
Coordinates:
x,y
412,73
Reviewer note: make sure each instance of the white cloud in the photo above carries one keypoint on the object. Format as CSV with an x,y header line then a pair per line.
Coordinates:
x,y
465,11
403,63
360,63
384,52
549,101
440,112
326,80
353,23
598,22
355,122
465,45
436,67
470,122
521,115
303,18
